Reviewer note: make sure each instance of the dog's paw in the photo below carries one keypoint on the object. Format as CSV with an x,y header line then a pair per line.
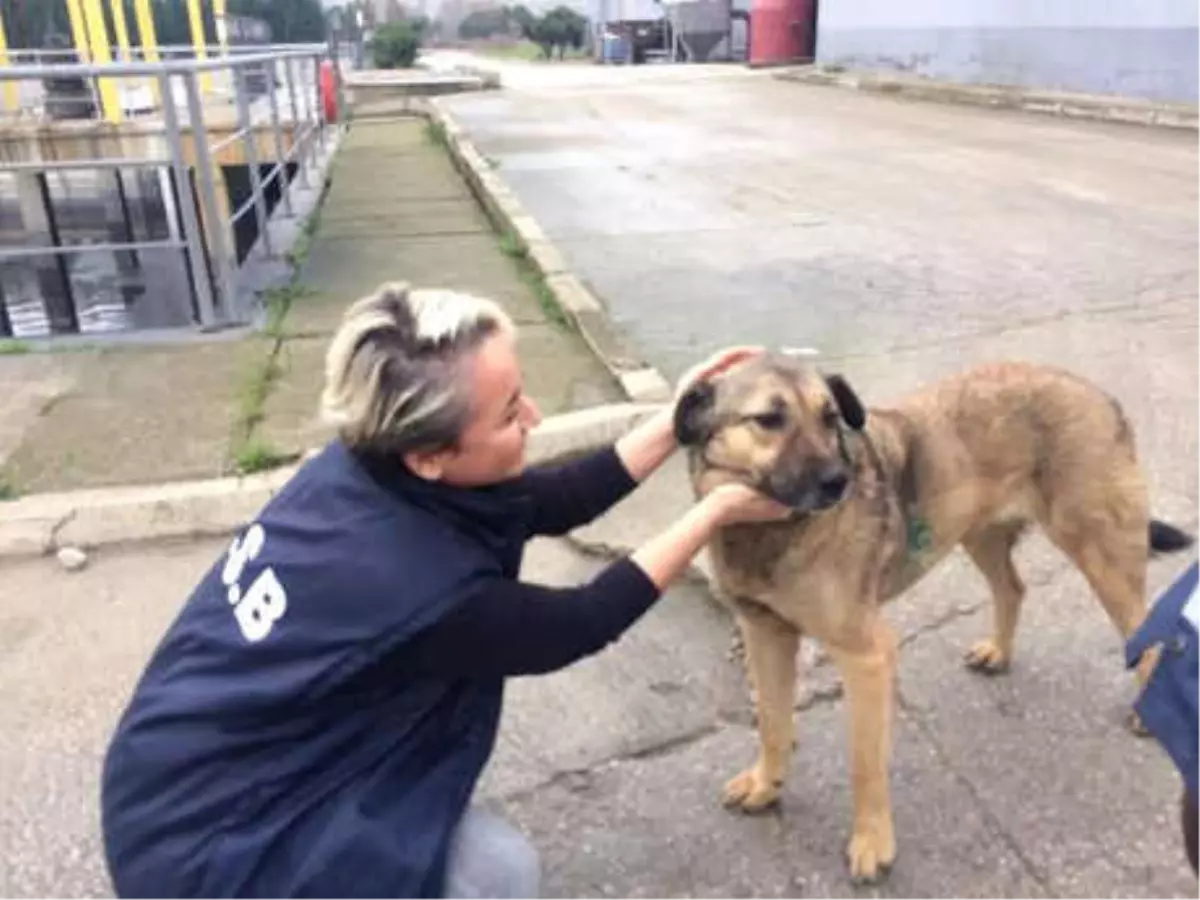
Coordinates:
x,y
751,792
987,658
870,853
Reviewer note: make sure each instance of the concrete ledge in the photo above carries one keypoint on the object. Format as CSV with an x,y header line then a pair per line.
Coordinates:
x,y
42,523
1095,107
371,85
640,381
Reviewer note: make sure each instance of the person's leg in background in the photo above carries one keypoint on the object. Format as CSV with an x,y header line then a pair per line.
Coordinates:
x,y
1187,815
490,858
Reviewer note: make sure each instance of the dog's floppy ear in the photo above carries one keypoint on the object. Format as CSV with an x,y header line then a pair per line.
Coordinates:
x,y
693,414
848,403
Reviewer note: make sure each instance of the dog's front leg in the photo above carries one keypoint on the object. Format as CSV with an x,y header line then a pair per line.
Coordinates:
x,y
771,645
867,665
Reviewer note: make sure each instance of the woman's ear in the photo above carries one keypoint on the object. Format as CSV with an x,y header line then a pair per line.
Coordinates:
x,y
423,464
693,414
848,403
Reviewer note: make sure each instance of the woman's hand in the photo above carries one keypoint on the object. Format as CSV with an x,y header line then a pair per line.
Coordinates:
x,y
719,362
645,448
662,558
735,504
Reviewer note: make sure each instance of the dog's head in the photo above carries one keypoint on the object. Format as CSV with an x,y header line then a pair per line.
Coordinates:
x,y
775,425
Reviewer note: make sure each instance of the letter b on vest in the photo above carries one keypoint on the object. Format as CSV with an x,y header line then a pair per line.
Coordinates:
x,y
261,608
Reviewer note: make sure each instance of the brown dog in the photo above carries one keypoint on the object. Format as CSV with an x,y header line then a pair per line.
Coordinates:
x,y
879,500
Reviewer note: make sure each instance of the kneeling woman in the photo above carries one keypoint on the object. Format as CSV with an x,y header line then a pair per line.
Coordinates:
x,y
314,721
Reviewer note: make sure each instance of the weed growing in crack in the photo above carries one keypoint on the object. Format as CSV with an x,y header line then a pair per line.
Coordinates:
x,y
259,455
435,133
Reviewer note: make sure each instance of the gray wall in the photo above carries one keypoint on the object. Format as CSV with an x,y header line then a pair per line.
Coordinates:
x,y
1140,48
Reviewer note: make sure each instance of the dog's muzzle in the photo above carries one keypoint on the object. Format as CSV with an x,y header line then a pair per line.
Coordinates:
x,y
809,492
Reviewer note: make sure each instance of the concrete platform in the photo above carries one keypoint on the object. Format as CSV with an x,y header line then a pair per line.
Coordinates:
x,y
1020,786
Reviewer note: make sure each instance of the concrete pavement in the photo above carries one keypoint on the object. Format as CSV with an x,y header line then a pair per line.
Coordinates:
x,y
1026,785
710,205
807,214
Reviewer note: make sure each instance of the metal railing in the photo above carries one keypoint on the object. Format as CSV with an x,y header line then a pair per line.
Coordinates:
x,y
269,117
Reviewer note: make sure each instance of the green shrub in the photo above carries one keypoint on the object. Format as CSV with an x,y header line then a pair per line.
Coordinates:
x,y
395,45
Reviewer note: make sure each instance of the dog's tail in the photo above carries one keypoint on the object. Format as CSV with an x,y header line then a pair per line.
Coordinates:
x,y
1166,538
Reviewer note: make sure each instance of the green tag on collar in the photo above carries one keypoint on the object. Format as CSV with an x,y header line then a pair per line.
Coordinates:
x,y
920,537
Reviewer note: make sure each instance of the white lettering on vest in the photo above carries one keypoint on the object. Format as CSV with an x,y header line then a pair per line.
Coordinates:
x,y
1191,609
264,603
258,608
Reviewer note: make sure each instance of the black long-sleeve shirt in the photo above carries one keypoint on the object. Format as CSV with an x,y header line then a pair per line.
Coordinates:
x,y
509,627
272,746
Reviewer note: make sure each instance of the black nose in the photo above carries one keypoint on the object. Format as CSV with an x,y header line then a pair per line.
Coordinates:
x,y
833,485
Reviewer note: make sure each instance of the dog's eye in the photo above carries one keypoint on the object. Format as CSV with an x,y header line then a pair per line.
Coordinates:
x,y
830,417
772,421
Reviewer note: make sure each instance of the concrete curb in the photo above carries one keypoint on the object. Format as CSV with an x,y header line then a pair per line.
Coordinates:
x,y
43,523
1094,107
640,381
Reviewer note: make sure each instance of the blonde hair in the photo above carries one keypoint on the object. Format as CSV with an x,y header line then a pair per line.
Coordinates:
x,y
393,369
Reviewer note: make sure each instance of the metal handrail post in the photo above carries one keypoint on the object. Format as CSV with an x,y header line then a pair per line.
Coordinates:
x,y
226,272
256,187
320,105
187,202
280,156
297,129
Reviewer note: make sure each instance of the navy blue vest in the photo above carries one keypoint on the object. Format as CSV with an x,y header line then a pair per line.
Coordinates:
x,y
276,743
1168,704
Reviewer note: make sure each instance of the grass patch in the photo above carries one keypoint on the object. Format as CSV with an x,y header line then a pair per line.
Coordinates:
x,y
247,452
278,301
546,300
511,246
526,51
435,133
14,347
258,455
300,250
252,396
8,487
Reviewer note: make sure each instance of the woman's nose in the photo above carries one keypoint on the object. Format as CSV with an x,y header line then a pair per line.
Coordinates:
x,y
530,413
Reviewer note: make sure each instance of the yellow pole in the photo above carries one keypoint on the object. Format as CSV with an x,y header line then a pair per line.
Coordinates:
x,y
12,99
148,40
97,31
196,24
121,28
79,32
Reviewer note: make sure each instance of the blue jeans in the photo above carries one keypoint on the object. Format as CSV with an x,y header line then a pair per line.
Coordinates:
x,y
490,858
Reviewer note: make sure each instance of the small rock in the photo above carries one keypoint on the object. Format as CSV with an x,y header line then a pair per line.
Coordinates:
x,y
72,558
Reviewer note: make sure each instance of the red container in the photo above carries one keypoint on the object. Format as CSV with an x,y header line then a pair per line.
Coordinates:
x,y
782,31
328,92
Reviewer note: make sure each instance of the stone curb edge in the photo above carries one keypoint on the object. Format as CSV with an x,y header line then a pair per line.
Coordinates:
x,y
641,383
43,523
1095,107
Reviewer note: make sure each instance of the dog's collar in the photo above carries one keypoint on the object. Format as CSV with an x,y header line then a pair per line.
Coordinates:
x,y
918,532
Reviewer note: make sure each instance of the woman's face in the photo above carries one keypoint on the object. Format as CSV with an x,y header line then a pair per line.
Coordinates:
x,y
492,448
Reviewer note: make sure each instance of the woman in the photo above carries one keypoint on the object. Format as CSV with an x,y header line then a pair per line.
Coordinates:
x,y
1169,704
315,719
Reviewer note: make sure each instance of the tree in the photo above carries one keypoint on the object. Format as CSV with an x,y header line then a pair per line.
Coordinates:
x,y
291,21
524,20
560,28
485,23
395,45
